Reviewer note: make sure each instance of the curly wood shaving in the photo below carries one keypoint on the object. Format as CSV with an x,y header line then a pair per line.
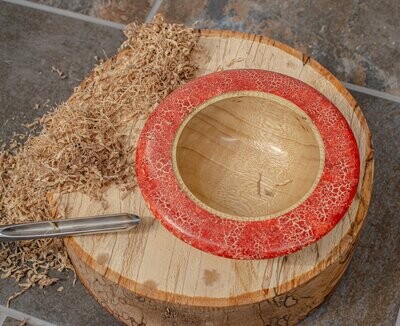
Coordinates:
x,y
59,72
85,145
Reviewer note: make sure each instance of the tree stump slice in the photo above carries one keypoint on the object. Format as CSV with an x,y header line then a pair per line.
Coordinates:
x,y
149,277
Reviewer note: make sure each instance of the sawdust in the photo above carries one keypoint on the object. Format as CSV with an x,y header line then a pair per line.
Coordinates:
x,y
83,144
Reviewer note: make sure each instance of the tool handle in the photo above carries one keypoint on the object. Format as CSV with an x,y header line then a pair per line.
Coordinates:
x,y
68,227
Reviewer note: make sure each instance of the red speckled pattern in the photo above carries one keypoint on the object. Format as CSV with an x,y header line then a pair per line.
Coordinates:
x,y
279,236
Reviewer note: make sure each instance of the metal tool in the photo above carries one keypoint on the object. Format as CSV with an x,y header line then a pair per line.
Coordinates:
x,y
68,227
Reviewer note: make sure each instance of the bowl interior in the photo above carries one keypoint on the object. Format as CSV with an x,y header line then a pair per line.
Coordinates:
x,y
248,155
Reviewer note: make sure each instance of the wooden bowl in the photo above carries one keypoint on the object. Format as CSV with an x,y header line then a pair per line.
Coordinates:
x,y
247,164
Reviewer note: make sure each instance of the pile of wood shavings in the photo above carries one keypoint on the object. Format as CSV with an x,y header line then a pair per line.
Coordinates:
x,y
85,144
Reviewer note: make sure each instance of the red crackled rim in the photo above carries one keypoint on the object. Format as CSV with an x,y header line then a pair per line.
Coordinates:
x,y
278,236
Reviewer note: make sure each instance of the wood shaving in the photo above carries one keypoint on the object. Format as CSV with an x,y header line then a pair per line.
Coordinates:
x,y
46,282
83,145
15,295
59,72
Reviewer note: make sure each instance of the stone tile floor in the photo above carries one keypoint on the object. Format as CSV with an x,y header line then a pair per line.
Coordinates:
x,y
122,11
357,40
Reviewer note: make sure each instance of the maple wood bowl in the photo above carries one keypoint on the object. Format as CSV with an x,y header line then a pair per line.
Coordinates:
x,y
248,164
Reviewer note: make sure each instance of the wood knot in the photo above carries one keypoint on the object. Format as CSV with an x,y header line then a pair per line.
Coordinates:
x,y
150,284
210,276
102,259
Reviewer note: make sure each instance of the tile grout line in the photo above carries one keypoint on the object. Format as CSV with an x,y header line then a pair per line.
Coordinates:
x,y
398,319
15,314
153,11
372,92
66,13
150,16
3,317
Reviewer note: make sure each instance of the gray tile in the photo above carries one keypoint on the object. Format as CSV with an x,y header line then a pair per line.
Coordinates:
x,y
72,306
369,293
9,316
357,40
12,322
121,11
29,48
